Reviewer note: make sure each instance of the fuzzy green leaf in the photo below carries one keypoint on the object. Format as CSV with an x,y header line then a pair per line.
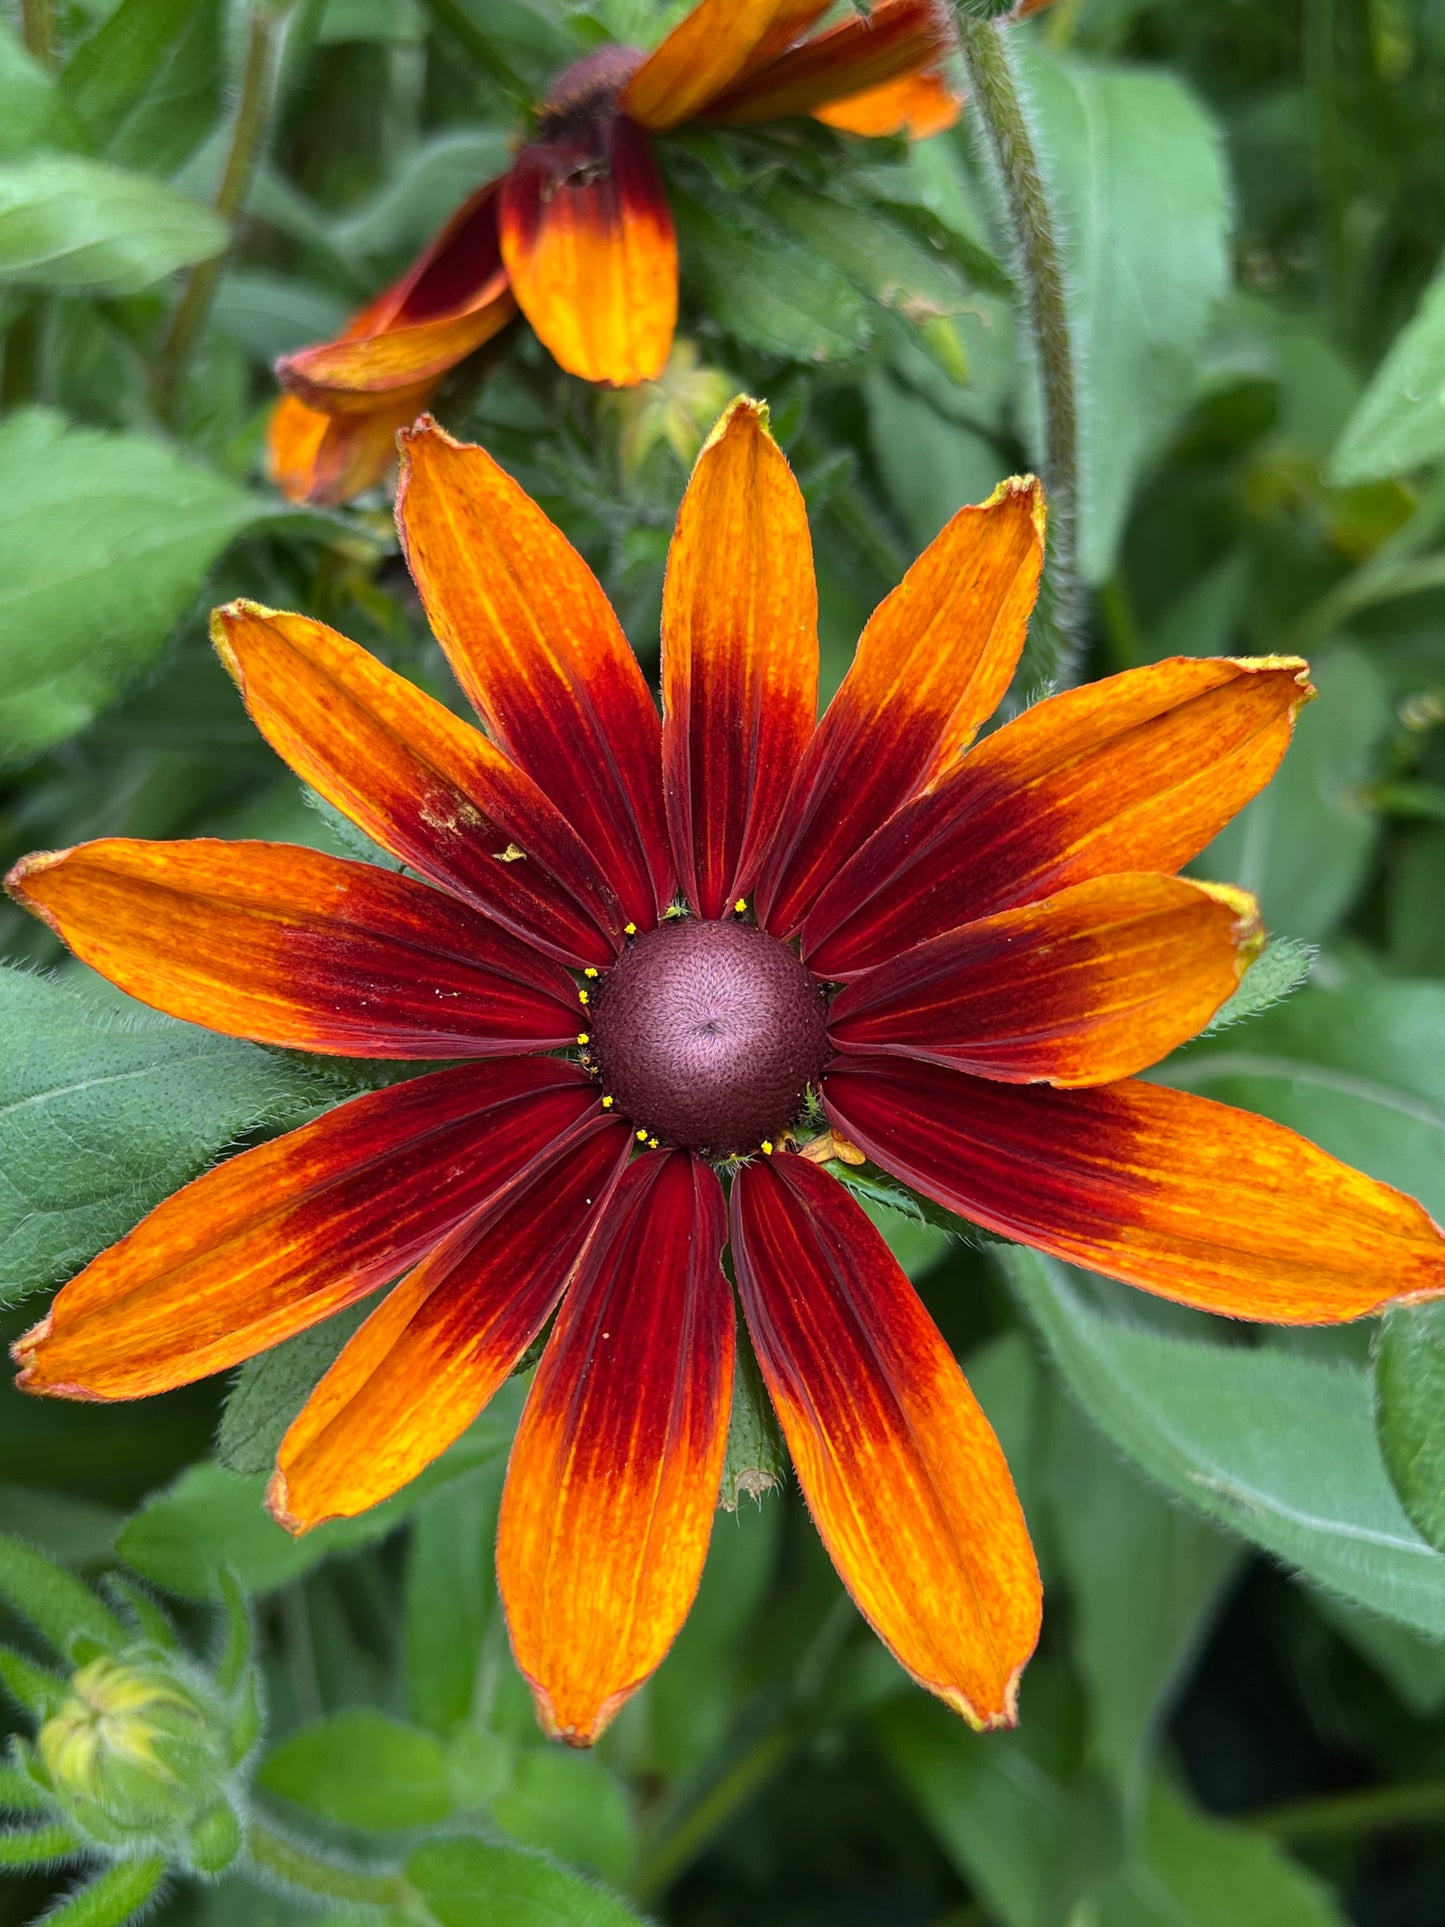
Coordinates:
x,y
1280,969
113,1898
271,1389
59,1606
1399,422
363,1769
75,225
466,1883
1410,1409
107,1108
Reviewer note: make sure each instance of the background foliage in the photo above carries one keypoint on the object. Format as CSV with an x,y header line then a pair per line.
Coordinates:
x,y
1236,1716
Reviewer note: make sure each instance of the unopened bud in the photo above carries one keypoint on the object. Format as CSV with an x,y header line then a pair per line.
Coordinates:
x,y
136,1753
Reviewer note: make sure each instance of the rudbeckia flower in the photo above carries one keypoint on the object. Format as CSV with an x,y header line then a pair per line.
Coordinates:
x,y
654,948
578,235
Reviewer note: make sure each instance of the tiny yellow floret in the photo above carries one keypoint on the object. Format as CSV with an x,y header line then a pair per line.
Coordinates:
x,y
607,1103
642,1137
582,997
591,972
629,930
652,1144
767,1147
584,1037
740,905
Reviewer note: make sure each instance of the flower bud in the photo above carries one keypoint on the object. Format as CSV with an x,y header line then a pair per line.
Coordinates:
x,y
137,1753
678,408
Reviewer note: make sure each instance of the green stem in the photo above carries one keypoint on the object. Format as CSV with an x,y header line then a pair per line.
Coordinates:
x,y
313,1875
681,1844
998,109
37,29
1418,1804
1363,590
247,134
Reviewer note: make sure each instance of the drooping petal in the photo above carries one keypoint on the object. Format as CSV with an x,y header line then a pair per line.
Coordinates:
x,y
288,946
918,105
274,1240
901,1470
419,781
534,643
1083,988
451,300
327,459
891,42
614,1476
591,250
1175,1193
739,657
1134,773
707,51
440,1343
931,666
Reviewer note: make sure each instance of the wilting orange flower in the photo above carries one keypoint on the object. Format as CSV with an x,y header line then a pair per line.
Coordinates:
x,y
655,939
577,233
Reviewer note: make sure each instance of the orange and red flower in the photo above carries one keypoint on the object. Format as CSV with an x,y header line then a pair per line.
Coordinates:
x,y
653,944
577,233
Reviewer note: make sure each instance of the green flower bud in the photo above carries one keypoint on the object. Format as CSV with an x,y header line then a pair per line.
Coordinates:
x,y
137,1753
678,408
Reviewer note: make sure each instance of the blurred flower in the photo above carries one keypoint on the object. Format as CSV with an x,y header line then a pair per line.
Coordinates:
x,y
578,234
678,408
725,948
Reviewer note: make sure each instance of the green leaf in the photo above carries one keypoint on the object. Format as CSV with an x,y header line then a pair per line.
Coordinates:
x,y
451,1595
37,1688
105,1110
1194,1871
1414,1667
210,1519
761,287
31,114
59,1606
1137,178
71,224
271,1389
569,1804
877,252
1144,1577
109,74
1275,1445
465,1883
1303,845
113,1898
1276,973
105,541
363,1769
1399,422
1409,1357
1359,1070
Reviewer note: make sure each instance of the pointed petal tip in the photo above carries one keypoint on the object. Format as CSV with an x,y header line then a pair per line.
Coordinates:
x,y
742,414
1001,1718
582,1729
1264,664
1029,489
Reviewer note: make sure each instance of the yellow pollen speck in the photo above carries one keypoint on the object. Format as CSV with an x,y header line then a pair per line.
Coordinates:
x,y
589,972
741,905
642,1137
652,1144
629,930
584,1037
767,1147
607,1103
582,997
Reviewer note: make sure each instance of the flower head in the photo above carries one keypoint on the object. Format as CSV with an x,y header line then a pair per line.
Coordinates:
x,y
577,234
657,946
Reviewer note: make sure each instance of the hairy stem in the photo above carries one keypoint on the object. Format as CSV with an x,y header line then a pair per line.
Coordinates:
x,y
1418,1803
37,29
998,109
313,1875
247,134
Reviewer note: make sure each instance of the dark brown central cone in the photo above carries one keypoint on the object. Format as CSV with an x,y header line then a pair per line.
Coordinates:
x,y
708,1034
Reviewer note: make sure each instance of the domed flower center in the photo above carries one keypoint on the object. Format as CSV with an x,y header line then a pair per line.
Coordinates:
x,y
708,1034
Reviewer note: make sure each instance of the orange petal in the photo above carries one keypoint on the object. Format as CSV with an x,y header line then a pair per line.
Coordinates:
x,y
1134,773
447,304
276,1239
591,251
420,782
917,105
709,50
932,665
437,1347
327,459
534,643
739,657
893,41
902,1473
1183,1196
614,1476
288,946
1083,988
